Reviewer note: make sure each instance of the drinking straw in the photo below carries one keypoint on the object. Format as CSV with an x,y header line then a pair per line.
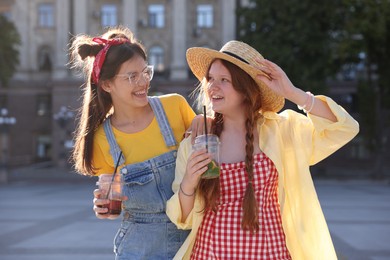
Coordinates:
x,y
113,175
205,127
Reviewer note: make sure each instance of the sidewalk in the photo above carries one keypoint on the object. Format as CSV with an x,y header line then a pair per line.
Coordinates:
x,y
358,216
47,214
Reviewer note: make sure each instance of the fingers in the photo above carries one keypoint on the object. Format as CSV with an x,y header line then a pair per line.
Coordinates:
x,y
267,64
197,132
187,133
193,136
269,68
100,205
198,161
263,67
196,166
97,193
102,214
198,127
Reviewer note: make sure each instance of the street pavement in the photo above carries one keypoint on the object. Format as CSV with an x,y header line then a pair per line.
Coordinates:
x,y
46,214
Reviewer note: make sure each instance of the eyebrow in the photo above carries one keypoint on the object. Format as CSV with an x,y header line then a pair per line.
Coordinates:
x,y
221,76
131,72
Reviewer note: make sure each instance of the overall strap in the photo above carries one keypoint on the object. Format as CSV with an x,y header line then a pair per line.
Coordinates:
x,y
162,120
114,147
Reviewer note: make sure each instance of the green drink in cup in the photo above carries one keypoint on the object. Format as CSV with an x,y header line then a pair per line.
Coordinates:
x,y
211,143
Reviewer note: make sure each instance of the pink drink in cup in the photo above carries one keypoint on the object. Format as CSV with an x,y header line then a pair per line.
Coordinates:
x,y
113,193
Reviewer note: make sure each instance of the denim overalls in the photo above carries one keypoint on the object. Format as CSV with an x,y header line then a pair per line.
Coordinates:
x,y
146,232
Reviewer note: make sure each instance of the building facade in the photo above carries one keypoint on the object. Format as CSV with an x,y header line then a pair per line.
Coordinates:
x,y
44,94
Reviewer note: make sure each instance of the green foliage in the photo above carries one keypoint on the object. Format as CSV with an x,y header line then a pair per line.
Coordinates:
x,y
297,35
311,40
367,29
366,100
9,54
370,21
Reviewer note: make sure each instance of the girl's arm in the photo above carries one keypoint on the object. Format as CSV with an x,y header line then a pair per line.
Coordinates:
x,y
196,166
278,81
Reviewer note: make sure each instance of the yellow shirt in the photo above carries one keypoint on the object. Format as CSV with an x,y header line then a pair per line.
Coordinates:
x,y
293,142
148,143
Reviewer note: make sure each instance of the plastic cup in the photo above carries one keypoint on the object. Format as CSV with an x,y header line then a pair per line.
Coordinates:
x,y
112,191
212,144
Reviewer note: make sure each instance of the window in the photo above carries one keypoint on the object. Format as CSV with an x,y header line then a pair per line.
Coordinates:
x,y
205,16
3,101
156,58
44,59
43,105
156,16
109,15
43,149
46,15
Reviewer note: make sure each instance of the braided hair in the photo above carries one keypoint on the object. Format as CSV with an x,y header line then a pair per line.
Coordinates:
x,y
208,189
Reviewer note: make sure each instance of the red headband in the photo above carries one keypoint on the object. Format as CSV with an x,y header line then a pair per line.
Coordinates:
x,y
101,56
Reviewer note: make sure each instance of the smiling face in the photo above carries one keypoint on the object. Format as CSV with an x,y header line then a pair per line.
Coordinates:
x,y
124,92
223,97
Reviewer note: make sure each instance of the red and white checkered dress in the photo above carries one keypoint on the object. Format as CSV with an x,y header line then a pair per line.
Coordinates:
x,y
220,235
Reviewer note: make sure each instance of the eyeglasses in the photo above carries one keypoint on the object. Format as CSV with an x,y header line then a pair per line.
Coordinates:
x,y
135,77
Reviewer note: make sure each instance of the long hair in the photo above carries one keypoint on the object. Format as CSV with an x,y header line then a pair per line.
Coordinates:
x,y
208,189
97,103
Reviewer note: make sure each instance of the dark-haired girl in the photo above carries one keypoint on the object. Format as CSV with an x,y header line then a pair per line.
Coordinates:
x,y
119,122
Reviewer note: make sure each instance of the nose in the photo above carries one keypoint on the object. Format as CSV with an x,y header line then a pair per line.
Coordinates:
x,y
213,84
142,80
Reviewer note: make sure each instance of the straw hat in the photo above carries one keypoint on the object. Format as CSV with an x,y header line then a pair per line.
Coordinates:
x,y
240,54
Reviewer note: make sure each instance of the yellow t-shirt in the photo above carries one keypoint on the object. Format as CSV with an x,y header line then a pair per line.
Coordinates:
x,y
148,143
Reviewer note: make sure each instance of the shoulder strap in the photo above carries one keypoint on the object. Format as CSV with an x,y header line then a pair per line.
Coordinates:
x,y
115,151
163,122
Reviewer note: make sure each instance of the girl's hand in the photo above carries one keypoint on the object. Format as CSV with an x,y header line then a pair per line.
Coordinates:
x,y
196,166
197,127
99,205
276,79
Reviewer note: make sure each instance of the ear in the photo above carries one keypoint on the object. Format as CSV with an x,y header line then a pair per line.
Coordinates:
x,y
106,86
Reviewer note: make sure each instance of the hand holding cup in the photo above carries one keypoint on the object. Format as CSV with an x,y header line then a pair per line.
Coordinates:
x,y
108,197
211,143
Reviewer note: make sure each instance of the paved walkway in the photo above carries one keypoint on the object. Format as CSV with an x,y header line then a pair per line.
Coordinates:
x,y
46,213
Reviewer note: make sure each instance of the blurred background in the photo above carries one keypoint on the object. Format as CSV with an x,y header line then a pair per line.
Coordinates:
x,y
340,48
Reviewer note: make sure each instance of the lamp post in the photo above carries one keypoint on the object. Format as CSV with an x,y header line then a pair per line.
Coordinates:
x,y
5,122
63,117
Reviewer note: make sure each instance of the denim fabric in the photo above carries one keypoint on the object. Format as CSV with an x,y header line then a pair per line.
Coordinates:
x,y
146,232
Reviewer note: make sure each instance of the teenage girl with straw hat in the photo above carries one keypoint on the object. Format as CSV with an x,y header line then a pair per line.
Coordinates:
x,y
264,204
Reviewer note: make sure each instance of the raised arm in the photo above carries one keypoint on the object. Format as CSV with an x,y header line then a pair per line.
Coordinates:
x,y
281,84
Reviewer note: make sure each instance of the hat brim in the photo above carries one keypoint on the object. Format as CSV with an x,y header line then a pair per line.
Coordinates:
x,y
199,60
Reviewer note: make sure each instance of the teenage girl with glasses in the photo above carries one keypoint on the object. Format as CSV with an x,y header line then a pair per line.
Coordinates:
x,y
119,122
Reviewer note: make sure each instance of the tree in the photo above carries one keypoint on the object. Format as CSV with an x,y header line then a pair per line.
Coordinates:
x,y
296,34
366,29
312,41
9,53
